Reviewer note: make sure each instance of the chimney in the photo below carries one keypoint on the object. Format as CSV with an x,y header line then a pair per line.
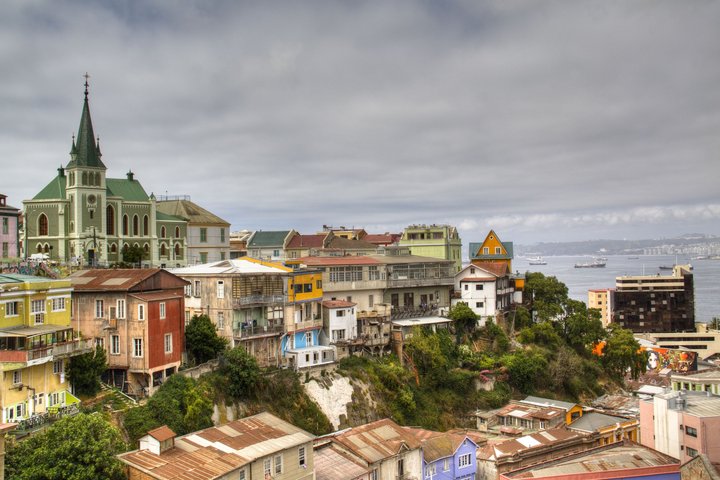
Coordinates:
x,y
61,171
130,175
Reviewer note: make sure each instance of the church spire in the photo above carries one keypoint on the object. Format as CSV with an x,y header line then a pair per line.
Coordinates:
x,y
86,150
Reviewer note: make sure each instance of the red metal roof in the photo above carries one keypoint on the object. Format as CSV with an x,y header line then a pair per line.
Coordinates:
x,y
307,241
161,433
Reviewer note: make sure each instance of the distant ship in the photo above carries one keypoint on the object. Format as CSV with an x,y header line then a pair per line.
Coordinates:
x,y
633,258
537,261
597,263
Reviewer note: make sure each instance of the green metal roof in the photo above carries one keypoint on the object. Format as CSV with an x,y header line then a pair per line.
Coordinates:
x,y
268,239
85,152
169,218
20,278
129,190
475,246
53,190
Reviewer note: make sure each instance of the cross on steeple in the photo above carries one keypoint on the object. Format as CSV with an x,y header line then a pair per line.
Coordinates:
x,y
86,84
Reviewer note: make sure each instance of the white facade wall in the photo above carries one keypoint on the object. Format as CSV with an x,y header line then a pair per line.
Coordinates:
x,y
361,297
215,245
667,428
412,462
344,319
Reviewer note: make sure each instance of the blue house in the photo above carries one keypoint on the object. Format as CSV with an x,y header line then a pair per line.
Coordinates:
x,y
449,456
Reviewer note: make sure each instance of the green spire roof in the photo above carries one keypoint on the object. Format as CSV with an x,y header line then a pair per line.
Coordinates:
x,y
85,152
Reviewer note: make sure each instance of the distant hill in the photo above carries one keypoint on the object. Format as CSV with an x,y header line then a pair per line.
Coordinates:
x,y
620,247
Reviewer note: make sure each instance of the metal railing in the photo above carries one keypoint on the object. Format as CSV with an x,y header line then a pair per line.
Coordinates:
x,y
258,300
257,331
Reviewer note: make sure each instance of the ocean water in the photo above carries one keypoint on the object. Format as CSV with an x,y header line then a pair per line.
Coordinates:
x,y
580,280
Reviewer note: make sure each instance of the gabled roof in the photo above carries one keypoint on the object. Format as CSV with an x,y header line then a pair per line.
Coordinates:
x,y
262,239
437,445
513,446
124,280
129,190
194,213
307,241
382,238
331,464
594,421
377,441
53,190
162,433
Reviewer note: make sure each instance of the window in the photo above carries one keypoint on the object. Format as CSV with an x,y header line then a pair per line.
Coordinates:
x,y
373,273
168,343
430,470
58,367
221,320
187,317
99,308
691,432
479,286
100,342
162,310
691,452
371,301
141,312
465,286
446,465
308,339
120,312
478,304
498,251
401,467
464,461
43,225
301,456
276,253
203,257
6,225
137,347
177,232
115,345
318,284
196,288
203,235
267,464
278,464
125,225
222,235
146,230
220,289
37,308
5,249
136,226
338,335
17,377
11,309
374,475
242,475
340,313
486,250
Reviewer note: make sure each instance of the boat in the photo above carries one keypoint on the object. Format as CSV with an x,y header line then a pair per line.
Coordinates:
x,y
633,258
537,261
597,263
665,267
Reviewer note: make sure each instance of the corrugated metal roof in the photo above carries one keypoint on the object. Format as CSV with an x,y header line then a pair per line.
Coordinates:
x,y
332,464
377,440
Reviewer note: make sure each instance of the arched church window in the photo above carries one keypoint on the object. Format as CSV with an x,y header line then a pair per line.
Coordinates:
x,y
162,232
177,250
39,248
146,225
125,226
97,179
125,248
110,220
136,225
177,232
146,247
46,248
42,225
163,250
113,248
84,178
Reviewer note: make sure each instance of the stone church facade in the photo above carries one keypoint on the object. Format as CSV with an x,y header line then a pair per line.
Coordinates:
x,y
84,217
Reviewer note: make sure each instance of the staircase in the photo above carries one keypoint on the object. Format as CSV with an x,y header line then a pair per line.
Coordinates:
x,y
120,401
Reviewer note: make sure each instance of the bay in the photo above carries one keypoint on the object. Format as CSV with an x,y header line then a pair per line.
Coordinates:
x,y
579,280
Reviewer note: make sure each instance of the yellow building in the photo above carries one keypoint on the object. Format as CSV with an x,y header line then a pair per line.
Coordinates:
x,y
611,429
36,343
601,299
492,249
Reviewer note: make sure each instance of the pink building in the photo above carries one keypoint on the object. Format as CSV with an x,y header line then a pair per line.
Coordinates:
x,y
9,217
682,424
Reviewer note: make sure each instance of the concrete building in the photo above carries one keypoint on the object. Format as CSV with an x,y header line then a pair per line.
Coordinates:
x,y
704,381
9,229
340,326
260,446
84,217
602,299
655,303
609,428
269,246
704,342
36,342
137,315
488,289
437,241
682,424
207,239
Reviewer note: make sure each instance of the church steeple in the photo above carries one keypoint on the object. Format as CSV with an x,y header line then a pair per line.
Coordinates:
x,y
85,152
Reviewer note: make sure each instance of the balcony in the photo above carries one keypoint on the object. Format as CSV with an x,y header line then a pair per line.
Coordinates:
x,y
400,281
258,331
44,354
257,300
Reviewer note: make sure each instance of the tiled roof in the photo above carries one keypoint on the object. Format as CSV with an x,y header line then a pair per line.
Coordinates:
x,y
377,440
216,451
341,243
338,304
261,239
193,212
307,241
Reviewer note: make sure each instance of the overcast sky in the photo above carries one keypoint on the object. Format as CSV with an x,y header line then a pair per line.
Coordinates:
x,y
546,121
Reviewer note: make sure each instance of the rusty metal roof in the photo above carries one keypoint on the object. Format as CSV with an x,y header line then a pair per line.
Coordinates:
x,y
216,451
377,440
162,433
331,464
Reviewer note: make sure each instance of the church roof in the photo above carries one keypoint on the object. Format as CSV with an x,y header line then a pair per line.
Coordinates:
x,y
193,212
262,239
85,152
129,190
53,190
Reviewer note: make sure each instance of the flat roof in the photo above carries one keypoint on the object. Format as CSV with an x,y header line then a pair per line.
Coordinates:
x,y
411,322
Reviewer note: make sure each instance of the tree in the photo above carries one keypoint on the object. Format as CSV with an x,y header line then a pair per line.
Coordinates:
x,y
201,339
547,296
714,324
464,318
133,254
81,447
84,371
525,369
581,327
622,353
241,371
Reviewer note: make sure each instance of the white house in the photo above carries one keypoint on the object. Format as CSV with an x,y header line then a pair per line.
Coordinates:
x,y
339,324
477,287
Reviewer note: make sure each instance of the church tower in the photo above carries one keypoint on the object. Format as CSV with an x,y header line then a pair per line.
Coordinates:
x,y
86,192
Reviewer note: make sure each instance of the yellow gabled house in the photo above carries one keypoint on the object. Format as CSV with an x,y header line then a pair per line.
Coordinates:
x,y
494,251
36,342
